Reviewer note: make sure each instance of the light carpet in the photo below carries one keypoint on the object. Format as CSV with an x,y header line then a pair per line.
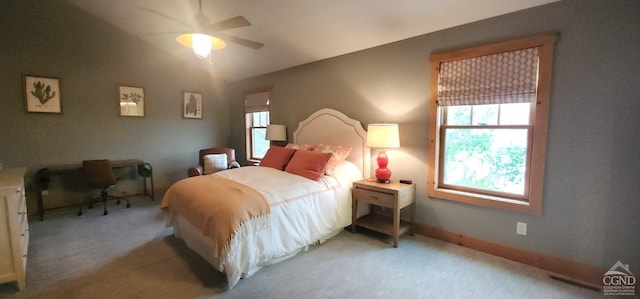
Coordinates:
x,y
130,254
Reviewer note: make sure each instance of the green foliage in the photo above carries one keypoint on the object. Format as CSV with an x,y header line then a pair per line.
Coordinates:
x,y
474,158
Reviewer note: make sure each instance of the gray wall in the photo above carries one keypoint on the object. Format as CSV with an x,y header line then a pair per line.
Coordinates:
x,y
91,59
591,193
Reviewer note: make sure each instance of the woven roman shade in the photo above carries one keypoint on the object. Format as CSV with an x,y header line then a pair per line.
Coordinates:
x,y
256,102
507,77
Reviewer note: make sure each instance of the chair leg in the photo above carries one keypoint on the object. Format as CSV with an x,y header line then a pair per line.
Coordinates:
x,y
104,202
80,211
128,204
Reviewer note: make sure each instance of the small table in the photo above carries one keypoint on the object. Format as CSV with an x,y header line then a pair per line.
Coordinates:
x,y
394,196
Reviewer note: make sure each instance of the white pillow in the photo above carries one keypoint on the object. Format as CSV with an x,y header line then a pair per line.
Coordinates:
x,y
214,163
348,172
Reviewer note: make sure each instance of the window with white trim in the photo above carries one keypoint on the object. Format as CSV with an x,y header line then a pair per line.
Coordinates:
x,y
488,128
256,107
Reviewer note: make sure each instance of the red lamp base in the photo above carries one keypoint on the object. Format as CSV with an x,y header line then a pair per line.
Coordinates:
x,y
383,173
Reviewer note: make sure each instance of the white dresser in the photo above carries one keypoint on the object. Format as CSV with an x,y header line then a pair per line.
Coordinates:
x,y
14,228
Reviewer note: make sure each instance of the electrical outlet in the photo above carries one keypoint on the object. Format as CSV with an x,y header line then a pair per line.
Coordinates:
x,y
521,228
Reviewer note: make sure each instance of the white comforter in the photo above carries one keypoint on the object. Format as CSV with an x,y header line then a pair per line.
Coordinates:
x,y
303,212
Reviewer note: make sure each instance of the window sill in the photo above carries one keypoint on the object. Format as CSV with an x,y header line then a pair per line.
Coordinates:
x,y
253,162
485,201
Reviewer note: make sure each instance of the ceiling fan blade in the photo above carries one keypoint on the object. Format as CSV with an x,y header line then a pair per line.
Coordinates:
x,y
230,23
239,41
164,16
176,33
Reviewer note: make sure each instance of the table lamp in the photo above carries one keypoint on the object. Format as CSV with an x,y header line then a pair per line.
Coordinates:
x,y
276,133
383,136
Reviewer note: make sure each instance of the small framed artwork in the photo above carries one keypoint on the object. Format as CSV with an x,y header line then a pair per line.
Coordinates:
x,y
131,101
42,94
192,105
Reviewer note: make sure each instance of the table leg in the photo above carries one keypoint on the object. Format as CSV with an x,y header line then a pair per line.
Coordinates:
x,y
396,225
412,217
354,215
150,180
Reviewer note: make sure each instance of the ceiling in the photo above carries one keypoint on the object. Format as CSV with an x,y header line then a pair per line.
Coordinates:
x,y
294,32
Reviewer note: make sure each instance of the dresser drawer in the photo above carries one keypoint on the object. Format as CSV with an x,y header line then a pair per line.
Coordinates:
x,y
373,197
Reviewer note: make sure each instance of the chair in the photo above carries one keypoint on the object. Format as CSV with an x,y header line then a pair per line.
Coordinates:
x,y
99,174
199,169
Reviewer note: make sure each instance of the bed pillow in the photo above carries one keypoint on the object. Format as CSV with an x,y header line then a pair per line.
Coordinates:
x,y
306,147
347,171
308,164
214,163
339,154
277,157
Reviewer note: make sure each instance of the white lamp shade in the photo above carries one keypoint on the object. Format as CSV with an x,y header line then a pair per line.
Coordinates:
x,y
383,136
276,133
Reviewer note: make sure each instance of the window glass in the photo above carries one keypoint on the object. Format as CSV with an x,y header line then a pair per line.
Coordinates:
x,y
488,159
260,119
459,115
485,115
260,145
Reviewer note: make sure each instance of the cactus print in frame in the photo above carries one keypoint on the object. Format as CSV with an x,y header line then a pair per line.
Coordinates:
x,y
42,94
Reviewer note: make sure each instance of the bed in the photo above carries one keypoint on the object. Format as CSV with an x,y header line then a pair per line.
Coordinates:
x,y
300,212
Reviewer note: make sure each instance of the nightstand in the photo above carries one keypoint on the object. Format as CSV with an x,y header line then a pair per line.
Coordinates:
x,y
394,196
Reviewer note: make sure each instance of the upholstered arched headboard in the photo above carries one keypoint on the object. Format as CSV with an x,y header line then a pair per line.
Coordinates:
x,y
333,127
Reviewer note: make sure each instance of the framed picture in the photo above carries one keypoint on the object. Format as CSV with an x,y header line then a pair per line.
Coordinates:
x,y
42,94
131,100
192,105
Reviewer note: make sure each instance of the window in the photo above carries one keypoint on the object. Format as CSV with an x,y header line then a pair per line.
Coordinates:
x,y
488,127
256,107
257,129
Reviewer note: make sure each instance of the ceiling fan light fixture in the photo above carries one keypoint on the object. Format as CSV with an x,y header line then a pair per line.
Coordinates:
x,y
202,44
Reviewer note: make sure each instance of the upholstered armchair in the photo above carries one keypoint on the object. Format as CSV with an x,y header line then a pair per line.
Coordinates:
x,y
211,160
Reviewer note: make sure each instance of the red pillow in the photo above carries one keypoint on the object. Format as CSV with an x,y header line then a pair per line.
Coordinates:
x,y
277,157
308,164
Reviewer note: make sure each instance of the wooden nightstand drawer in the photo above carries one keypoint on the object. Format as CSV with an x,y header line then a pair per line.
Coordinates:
x,y
373,197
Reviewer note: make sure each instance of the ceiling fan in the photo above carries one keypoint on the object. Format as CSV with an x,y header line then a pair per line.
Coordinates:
x,y
204,28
